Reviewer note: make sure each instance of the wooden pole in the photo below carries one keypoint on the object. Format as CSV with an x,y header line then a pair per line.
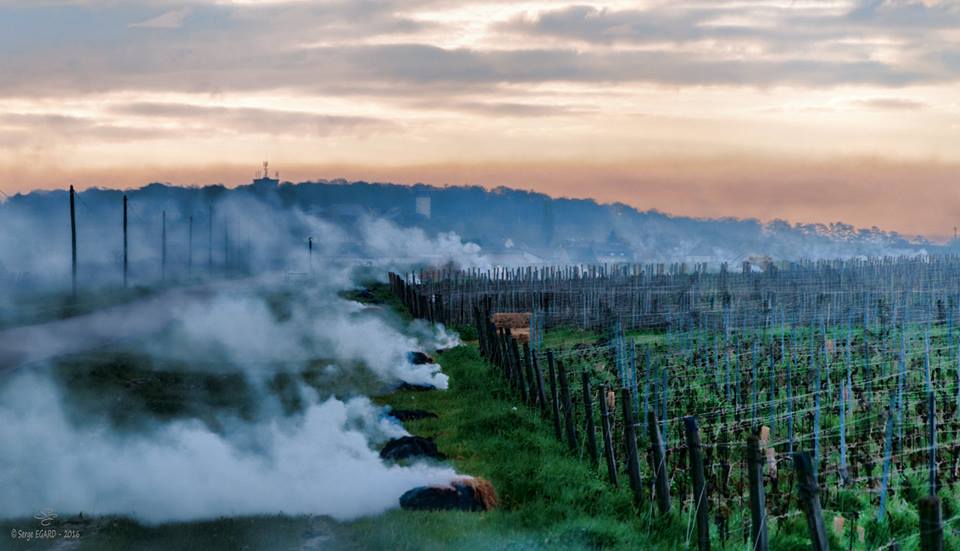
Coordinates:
x,y
758,505
73,241
605,426
163,245
931,524
226,249
554,402
630,435
567,407
210,241
125,256
518,370
532,393
659,455
701,498
588,417
932,440
809,494
310,254
541,394
190,248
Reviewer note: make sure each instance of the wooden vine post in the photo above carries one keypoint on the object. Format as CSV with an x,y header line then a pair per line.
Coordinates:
x,y
701,499
931,524
758,504
630,435
554,402
606,414
661,483
588,417
809,494
571,428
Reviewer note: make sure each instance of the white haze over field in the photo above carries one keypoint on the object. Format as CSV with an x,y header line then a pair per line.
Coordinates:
x,y
319,463
250,232
319,325
322,460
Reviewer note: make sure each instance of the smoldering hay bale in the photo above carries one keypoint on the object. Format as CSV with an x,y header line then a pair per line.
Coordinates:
x,y
419,358
410,447
412,414
465,494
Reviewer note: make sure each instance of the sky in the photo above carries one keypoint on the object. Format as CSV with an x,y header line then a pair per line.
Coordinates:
x,y
808,110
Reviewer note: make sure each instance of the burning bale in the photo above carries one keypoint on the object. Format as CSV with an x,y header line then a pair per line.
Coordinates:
x,y
419,358
415,387
407,447
465,494
412,414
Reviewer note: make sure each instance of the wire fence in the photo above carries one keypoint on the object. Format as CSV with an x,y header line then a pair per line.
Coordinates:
x,y
855,362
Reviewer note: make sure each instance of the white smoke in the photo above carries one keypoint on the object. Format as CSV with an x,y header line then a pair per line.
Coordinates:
x,y
248,234
320,463
394,245
434,336
318,326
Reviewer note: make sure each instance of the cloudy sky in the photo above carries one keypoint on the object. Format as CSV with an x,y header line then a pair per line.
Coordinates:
x,y
812,110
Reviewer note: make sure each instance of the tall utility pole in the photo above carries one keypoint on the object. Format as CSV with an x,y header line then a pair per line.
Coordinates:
x,y
125,261
210,242
190,248
226,249
163,246
310,253
73,239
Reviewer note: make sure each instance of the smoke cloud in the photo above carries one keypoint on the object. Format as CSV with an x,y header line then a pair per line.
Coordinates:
x,y
319,463
279,314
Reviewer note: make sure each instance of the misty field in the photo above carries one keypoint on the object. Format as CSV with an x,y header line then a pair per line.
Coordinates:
x,y
622,406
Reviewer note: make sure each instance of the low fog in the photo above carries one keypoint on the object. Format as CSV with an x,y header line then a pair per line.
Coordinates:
x,y
291,430
257,229
321,463
321,459
101,412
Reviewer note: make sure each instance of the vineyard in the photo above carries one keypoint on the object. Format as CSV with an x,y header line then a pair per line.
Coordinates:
x,y
804,405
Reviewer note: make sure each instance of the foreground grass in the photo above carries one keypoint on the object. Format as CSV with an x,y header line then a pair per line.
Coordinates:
x,y
549,498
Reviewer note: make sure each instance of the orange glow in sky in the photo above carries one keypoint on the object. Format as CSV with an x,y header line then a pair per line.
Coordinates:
x,y
814,111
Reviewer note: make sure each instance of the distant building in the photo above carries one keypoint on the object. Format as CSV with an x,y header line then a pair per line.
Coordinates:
x,y
263,181
423,206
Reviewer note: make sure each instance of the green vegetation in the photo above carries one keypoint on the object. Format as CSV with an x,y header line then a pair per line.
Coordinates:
x,y
549,497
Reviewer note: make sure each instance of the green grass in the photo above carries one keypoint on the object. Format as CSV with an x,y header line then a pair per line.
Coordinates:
x,y
565,337
549,497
